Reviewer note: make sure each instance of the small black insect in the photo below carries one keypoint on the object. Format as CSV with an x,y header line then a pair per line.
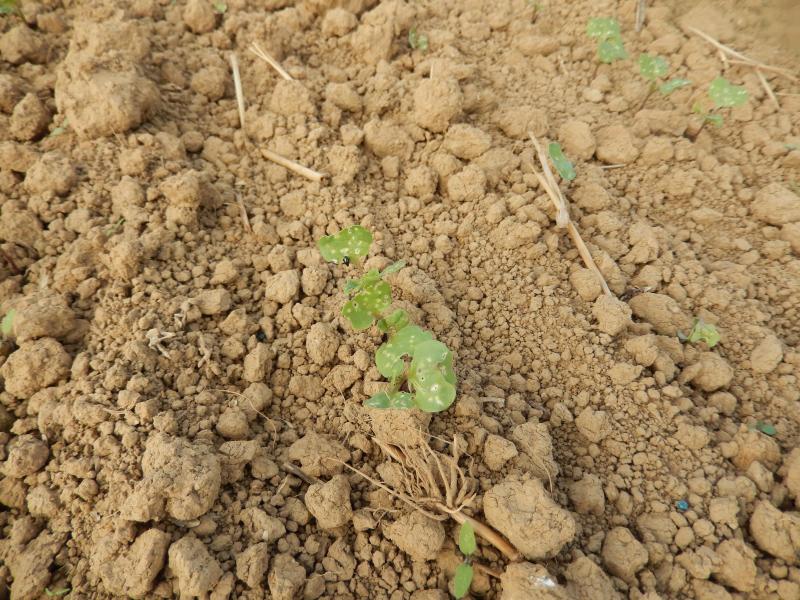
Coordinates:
x,y
345,260
261,336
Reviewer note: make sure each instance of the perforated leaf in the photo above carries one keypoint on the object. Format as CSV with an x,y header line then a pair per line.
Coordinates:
x,y
561,163
611,49
352,242
389,357
394,322
462,580
652,67
705,332
602,28
431,376
399,400
726,95
370,301
7,323
466,539
672,85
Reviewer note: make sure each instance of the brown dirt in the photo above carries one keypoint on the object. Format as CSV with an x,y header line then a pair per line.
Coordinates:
x,y
177,336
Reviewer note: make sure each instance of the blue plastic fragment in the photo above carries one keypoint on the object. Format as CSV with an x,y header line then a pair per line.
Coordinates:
x,y
682,505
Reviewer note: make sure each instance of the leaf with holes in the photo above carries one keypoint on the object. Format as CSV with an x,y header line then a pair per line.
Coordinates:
x,y
394,322
611,50
366,280
352,242
652,67
462,580
466,539
374,298
672,85
431,376
726,95
384,400
561,163
705,332
389,357
603,28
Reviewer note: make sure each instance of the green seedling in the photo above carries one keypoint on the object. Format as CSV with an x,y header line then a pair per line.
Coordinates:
x,y
7,324
653,69
417,41
766,428
701,332
609,39
220,8
57,593
9,7
561,163
465,571
724,95
418,367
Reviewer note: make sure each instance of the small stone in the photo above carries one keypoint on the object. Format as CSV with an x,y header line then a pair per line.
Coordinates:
x,y
737,568
30,119
767,355
195,569
594,425
776,205
724,511
587,495
233,425
497,451
26,455
286,577
437,101
623,554
417,535
776,532
662,312
252,564
613,315
467,142
257,364
578,139
615,145
526,581
199,16
282,287
213,302
34,366
322,342
330,502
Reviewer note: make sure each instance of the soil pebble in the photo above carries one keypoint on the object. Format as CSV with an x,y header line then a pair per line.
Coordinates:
x,y
527,581
196,571
251,565
775,532
318,455
330,502
623,554
526,515
615,145
286,577
662,312
436,103
35,365
776,205
417,535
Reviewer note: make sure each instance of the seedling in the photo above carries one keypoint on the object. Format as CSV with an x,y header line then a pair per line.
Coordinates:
x,y
220,7
609,40
724,95
9,7
464,571
7,324
56,593
654,68
766,428
561,163
701,332
418,367
417,41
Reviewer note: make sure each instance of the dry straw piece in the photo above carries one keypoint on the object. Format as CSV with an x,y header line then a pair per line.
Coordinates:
x,y
270,60
549,184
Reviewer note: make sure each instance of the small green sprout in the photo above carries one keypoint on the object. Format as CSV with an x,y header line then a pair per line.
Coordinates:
x,y
9,7
464,571
561,163
654,68
766,428
418,367
7,324
56,593
220,8
672,85
417,41
701,332
609,39
724,95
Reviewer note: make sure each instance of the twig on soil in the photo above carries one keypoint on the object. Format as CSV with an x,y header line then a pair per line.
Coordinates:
x,y
617,166
293,166
243,212
548,182
729,55
267,58
237,84
641,8
297,472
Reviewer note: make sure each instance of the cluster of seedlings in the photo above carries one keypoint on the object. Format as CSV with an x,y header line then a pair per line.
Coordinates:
x,y
418,367
610,48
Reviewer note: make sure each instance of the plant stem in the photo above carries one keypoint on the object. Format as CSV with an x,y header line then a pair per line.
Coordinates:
x,y
647,97
489,534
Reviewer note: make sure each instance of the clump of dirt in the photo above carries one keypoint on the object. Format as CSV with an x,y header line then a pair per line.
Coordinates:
x,y
181,401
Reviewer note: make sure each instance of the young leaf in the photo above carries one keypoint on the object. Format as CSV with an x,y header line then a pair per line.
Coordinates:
x,y
702,331
393,268
398,400
766,428
431,376
715,120
602,28
561,163
416,40
462,580
7,324
726,95
352,242
220,7
371,300
672,85
652,67
360,318
611,49
8,7
466,539
389,357
394,322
